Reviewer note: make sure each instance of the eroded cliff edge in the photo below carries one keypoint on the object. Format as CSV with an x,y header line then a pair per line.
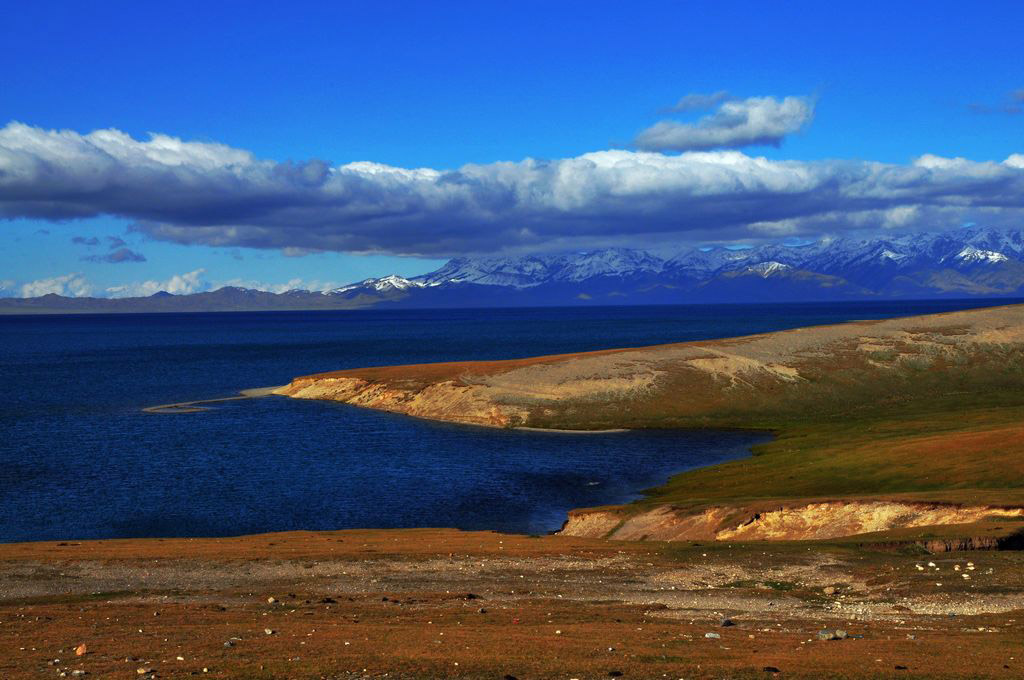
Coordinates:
x,y
881,425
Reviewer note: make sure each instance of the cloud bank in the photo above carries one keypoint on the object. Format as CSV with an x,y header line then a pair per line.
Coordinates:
x,y
758,121
212,194
77,285
179,284
69,285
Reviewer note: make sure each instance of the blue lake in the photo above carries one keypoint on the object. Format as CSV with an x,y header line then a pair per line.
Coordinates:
x,y
79,459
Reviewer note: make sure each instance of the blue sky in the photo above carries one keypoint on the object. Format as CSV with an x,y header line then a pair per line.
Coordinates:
x,y
441,85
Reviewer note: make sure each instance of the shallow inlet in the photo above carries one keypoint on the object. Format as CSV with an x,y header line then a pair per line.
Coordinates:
x,y
251,465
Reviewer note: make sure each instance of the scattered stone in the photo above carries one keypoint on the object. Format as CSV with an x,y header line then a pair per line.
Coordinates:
x,y
79,672
143,670
829,590
472,596
81,650
328,600
837,634
229,643
614,674
271,600
481,611
771,669
269,631
714,636
510,677
900,668
726,623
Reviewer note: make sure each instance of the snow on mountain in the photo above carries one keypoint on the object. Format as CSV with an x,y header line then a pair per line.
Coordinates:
x,y
766,269
972,254
701,262
383,284
880,266
534,270
1006,242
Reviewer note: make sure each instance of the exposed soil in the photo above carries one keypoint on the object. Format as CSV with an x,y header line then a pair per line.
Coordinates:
x,y
442,603
821,520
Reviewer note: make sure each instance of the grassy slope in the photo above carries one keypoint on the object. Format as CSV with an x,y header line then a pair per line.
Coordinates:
x,y
935,430
961,456
936,426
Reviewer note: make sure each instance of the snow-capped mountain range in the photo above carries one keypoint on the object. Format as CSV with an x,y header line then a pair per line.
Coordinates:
x,y
958,264
966,262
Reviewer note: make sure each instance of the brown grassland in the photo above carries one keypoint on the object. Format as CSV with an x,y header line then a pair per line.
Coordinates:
x,y
898,445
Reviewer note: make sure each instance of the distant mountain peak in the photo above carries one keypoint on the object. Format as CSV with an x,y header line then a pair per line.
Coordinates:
x,y
886,265
972,254
970,262
390,282
766,269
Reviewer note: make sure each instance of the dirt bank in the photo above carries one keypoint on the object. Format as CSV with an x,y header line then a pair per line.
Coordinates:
x,y
811,521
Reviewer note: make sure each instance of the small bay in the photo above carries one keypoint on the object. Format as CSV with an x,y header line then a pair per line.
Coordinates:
x,y
79,459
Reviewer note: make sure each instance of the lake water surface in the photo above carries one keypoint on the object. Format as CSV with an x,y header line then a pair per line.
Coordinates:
x,y
79,459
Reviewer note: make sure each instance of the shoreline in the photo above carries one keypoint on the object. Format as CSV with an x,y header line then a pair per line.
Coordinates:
x,y
612,430
806,483
193,406
868,447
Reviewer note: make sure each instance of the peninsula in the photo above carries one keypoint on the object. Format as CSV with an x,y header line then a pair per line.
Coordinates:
x,y
882,426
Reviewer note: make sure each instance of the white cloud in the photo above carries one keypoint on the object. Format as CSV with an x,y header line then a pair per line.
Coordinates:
x,y
179,284
292,284
210,194
75,285
1015,161
757,121
69,285
697,102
